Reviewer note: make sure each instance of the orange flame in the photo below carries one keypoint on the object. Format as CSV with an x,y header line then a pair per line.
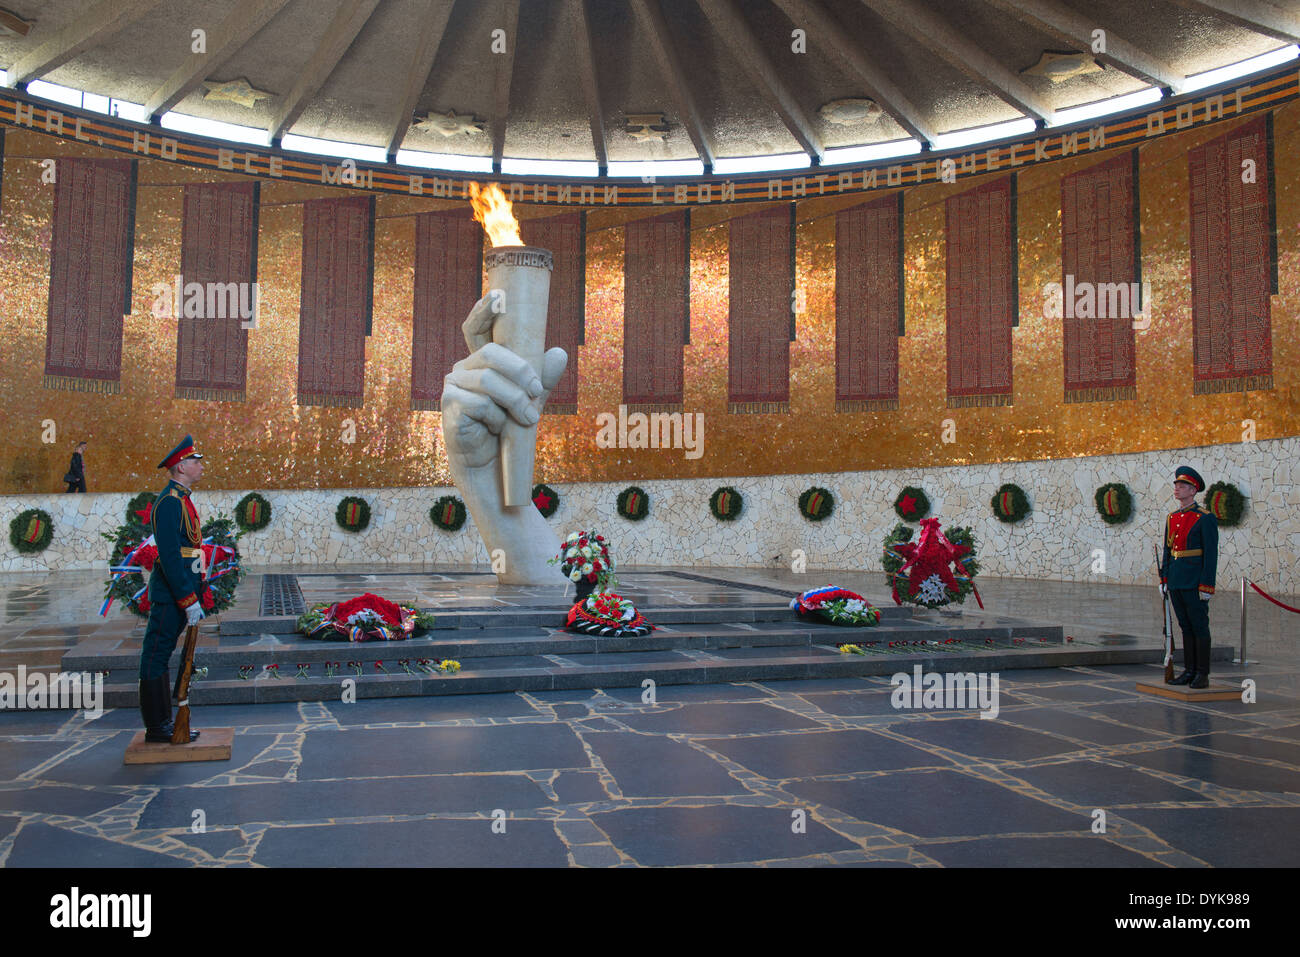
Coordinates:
x,y
492,209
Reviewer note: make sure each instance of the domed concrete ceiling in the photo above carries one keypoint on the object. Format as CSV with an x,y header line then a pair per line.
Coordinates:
x,y
597,81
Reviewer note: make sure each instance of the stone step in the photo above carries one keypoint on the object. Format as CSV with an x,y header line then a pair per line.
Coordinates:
x,y
288,652
816,662
552,616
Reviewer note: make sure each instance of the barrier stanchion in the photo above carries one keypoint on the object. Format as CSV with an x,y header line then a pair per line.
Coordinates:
x,y
1242,659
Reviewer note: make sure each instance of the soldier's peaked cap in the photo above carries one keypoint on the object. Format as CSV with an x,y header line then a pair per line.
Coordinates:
x,y
184,450
1185,473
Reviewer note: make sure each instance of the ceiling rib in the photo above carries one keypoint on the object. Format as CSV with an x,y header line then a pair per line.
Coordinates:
x,y
342,31
587,64
823,28
86,32
505,74
923,25
1075,30
729,22
1254,15
232,33
670,66
418,75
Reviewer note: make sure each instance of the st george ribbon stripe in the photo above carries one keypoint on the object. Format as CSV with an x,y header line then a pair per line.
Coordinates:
x,y
1232,100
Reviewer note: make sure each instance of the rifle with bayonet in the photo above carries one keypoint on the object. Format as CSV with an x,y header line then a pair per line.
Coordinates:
x,y
181,727
1166,626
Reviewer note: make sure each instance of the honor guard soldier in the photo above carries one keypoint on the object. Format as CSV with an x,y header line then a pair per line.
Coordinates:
x,y
175,586
1187,571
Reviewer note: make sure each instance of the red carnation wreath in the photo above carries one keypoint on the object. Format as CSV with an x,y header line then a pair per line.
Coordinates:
x,y
364,618
607,615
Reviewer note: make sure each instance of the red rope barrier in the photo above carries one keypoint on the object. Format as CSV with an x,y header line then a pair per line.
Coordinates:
x,y
1272,599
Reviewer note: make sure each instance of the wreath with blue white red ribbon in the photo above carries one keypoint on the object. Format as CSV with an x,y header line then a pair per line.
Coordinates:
x,y
837,605
134,554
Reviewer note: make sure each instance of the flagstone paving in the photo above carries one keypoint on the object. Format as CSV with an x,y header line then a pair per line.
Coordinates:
x,y
767,773
764,773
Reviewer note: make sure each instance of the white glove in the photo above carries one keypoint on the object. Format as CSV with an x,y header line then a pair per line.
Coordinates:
x,y
1164,589
193,614
1206,596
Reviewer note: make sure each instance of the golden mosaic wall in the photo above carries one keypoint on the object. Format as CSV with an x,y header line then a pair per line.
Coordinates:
x,y
268,442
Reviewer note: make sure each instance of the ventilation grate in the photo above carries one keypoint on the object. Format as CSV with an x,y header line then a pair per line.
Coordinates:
x,y
281,595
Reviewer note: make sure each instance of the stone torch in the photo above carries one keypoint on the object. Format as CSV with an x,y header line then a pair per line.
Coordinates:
x,y
519,284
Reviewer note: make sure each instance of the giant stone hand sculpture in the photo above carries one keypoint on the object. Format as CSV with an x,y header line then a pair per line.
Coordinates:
x,y
483,391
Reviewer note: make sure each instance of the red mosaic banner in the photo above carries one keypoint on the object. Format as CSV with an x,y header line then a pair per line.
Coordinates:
x,y
214,298
656,307
337,272
565,237
1101,293
448,281
1231,261
868,305
761,317
981,300
90,274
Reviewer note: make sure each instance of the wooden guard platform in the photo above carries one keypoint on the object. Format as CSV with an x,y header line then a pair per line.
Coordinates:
x,y
1184,693
214,744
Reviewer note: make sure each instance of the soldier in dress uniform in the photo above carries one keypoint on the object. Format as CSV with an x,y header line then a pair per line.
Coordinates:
x,y
175,586
1187,571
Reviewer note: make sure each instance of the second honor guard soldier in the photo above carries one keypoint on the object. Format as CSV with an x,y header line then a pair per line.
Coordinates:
x,y
1187,571
175,586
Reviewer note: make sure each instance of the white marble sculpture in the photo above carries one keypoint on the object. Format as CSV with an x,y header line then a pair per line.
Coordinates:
x,y
491,403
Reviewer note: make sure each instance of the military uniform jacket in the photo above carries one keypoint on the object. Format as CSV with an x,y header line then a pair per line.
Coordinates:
x,y
1191,555
176,532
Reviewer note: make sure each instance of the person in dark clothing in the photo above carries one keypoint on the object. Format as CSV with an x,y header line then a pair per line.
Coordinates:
x,y
76,477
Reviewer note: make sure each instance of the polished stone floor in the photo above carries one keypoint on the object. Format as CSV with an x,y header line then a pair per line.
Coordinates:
x,y
772,773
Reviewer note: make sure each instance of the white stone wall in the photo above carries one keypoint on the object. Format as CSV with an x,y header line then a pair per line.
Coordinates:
x,y
1059,540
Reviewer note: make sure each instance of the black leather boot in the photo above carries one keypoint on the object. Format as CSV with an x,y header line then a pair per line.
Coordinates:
x,y
155,706
1202,679
1189,663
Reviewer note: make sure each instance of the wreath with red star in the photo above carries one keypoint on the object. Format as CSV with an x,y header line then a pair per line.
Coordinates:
x,y
546,499
140,503
912,504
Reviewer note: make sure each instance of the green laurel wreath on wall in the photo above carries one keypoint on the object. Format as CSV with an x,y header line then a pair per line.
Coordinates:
x,y
816,504
31,531
1226,502
726,504
138,503
920,509
554,496
363,514
1010,504
448,513
633,503
253,512
1114,503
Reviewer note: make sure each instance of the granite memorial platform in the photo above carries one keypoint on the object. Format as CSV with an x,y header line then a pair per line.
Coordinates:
x,y
506,638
